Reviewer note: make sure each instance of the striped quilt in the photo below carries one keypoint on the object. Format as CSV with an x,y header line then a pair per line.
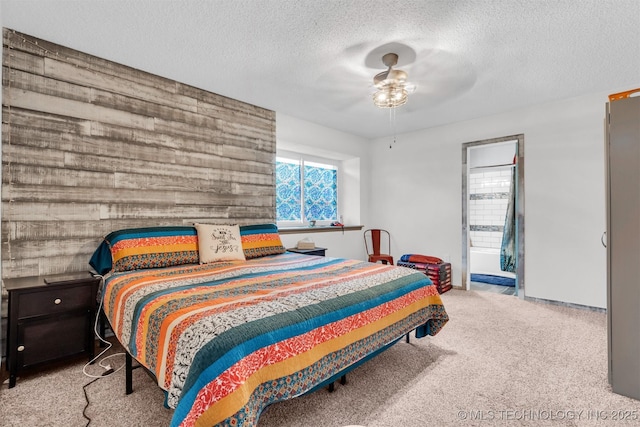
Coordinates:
x,y
225,340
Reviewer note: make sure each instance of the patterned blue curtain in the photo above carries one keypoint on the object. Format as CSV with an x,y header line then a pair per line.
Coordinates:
x,y
288,191
320,193
508,249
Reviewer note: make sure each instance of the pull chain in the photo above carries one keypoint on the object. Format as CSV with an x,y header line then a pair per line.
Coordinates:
x,y
392,122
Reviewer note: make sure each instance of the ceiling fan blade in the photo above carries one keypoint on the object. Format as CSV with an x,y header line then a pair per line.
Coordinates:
x,y
343,87
440,77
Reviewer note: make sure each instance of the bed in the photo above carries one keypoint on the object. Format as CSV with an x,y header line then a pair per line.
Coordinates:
x,y
228,336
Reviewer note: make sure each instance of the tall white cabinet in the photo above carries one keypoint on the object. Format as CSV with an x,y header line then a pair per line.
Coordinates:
x,y
623,244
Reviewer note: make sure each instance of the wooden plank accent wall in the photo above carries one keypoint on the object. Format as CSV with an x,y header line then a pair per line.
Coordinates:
x,y
90,146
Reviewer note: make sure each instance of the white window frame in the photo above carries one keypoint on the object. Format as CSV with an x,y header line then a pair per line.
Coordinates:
x,y
303,158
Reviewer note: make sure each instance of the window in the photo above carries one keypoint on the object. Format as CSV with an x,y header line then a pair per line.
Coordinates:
x,y
306,190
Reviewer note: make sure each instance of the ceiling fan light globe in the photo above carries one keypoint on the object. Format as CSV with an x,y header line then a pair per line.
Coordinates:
x,y
390,97
381,96
392,86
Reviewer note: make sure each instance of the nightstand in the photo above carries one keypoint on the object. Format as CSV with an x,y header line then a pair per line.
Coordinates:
x,y
315,251
50,318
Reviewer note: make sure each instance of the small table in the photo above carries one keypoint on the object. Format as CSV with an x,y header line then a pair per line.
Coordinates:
x,y
315,251
50,318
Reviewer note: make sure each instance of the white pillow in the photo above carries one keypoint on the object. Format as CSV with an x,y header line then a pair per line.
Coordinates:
x,y
219,243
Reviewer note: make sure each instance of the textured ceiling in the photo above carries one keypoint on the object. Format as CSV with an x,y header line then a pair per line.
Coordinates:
x,y
315,59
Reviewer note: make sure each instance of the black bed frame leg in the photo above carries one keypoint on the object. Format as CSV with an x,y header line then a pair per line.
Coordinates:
x,y
408,339
129,373
343,381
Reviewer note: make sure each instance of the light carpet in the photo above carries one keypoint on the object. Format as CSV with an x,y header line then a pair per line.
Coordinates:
x,y
499,361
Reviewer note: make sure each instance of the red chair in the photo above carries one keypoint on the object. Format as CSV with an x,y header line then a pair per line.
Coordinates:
x,y
372,238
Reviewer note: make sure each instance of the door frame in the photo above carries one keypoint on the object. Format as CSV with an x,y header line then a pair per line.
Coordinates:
x,y
519,209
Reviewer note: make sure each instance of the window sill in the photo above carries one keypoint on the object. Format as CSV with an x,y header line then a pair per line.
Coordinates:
x,y
318,229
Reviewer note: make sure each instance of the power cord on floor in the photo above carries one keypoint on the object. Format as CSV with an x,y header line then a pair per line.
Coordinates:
x,y
108,370
86,398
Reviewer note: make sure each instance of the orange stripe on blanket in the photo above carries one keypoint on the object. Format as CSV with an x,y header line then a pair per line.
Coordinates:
x,y
224,396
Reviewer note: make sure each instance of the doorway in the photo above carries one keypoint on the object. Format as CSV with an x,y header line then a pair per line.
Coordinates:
x,y
493,192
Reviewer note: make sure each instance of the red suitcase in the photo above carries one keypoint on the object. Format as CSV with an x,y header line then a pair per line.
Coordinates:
x,y
438,271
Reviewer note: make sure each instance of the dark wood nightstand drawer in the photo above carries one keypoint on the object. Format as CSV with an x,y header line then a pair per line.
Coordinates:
x,y
43,340
58,299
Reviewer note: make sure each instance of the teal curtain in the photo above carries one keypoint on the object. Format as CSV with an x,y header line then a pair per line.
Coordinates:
x,y
508,249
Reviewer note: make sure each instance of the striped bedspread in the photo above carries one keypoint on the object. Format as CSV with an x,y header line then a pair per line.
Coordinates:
x,y
225,340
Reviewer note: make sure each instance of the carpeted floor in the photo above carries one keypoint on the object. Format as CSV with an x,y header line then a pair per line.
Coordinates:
x,y
499,361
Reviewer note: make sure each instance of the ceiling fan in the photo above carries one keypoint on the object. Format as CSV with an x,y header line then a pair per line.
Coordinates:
x,y
392,87
349,83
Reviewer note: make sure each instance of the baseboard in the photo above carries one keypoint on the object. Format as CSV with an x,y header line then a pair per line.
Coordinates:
x,y
566,304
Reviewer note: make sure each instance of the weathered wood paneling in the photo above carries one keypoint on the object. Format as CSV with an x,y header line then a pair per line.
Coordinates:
x,y
90,146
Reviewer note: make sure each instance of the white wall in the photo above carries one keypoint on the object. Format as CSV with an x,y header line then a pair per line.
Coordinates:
x,y
416,194
301,136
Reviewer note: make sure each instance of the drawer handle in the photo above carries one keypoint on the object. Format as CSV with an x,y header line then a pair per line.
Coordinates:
x,y
57,301
20,348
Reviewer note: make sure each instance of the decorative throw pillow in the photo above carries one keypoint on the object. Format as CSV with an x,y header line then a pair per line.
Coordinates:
x,y
149,247
261,240
219,243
